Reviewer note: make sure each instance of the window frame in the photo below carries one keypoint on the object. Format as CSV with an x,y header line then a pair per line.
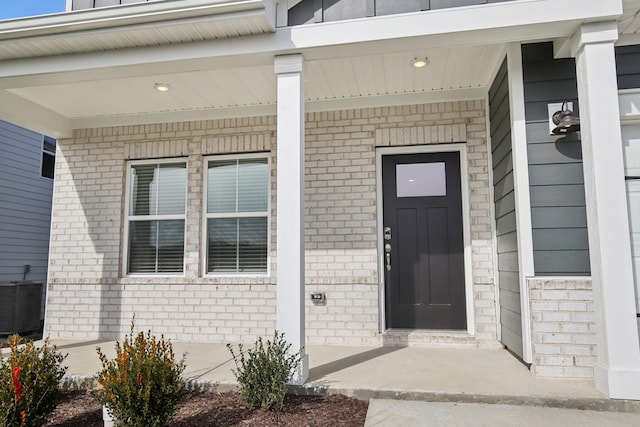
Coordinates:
x,y
127,217
45,152
206,216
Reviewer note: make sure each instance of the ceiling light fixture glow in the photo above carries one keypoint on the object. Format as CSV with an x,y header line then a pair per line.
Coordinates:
x,y
162,87
420,62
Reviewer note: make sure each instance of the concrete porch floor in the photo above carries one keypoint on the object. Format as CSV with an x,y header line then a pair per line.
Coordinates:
x,y
434,374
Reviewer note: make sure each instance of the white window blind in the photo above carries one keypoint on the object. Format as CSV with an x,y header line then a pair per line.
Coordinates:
x,y
237,201
156,217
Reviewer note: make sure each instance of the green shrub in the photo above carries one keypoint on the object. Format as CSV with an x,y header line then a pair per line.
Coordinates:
x,y
264,372
29,383
142,385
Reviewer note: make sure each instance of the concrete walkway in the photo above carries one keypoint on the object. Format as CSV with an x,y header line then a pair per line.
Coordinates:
x,y
444,383
395,413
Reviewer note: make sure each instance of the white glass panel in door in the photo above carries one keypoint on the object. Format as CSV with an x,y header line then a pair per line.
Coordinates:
x,y
421,180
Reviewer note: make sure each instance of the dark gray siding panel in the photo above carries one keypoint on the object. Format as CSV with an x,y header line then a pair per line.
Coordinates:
x,y
628,66
90,4
25,205
549,240
556,177
309,11
505,211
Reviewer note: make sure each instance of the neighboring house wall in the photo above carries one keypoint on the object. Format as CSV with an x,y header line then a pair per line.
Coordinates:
x,y
341,239
505,212
558,214
25,206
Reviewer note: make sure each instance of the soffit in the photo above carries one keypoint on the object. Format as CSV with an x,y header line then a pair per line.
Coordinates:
x,y
629,22
134,26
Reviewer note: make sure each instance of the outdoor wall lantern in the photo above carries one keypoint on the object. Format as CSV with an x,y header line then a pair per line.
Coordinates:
x,y
565,120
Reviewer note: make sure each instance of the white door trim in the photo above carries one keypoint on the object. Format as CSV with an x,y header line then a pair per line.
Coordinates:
x,y
466,224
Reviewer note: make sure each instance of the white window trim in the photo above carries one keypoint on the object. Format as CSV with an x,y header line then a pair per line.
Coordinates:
x,y
127,218
206,216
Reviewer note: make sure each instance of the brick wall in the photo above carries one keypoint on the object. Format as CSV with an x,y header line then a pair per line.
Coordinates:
x,y
86,276
562,323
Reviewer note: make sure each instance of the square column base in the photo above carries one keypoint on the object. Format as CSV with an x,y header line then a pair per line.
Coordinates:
x,y
617,383
301,374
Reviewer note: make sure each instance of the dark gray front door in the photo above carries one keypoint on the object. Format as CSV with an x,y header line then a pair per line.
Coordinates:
x,y
423,241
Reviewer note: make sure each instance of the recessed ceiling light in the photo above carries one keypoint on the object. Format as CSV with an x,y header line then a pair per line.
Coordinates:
x,y
420,62
162,87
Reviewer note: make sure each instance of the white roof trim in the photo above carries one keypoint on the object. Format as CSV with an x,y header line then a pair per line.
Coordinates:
x,y
131,14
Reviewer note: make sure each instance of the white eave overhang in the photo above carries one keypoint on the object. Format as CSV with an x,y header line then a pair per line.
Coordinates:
x,y
133,26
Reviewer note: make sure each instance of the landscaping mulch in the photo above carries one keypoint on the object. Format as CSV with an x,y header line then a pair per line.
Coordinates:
x,y
82,408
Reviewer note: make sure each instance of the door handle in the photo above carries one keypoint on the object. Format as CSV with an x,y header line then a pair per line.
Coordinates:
x,y
387,256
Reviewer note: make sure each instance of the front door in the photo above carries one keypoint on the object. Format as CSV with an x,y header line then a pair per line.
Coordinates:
x,y
423,241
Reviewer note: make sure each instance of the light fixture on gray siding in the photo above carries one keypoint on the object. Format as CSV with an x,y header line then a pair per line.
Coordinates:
x,y
162,87
565,120
420,62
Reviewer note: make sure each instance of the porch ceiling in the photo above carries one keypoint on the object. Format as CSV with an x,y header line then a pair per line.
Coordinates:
x,y
629,22
330,79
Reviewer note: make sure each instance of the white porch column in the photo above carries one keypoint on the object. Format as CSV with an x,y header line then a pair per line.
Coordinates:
x,y
290,206
617,370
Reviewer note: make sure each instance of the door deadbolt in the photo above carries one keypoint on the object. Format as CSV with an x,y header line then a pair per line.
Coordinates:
x,y
387,233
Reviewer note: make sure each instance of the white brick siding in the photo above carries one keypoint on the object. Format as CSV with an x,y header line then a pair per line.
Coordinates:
x,y
90,297
562,323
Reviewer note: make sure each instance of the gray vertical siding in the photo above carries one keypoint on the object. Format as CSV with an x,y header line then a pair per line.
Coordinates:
x,y
628,66
505,211
308,11
556,179
25,205
91,4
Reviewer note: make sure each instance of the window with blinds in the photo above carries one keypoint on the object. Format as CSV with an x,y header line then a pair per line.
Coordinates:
x,y
156,217
237,210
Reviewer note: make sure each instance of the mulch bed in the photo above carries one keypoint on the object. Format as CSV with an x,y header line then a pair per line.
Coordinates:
x,y
81,408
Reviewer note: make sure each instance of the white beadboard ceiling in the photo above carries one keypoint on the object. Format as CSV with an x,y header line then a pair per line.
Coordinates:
x,y
332,79
202,29
629,22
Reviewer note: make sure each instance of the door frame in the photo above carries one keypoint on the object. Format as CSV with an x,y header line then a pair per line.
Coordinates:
x,y
461,148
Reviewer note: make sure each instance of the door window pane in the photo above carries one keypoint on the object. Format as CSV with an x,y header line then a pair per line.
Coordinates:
x,y
421,180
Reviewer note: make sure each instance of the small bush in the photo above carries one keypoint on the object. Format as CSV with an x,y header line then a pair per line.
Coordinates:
x,y
29,383
264,372
142,385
